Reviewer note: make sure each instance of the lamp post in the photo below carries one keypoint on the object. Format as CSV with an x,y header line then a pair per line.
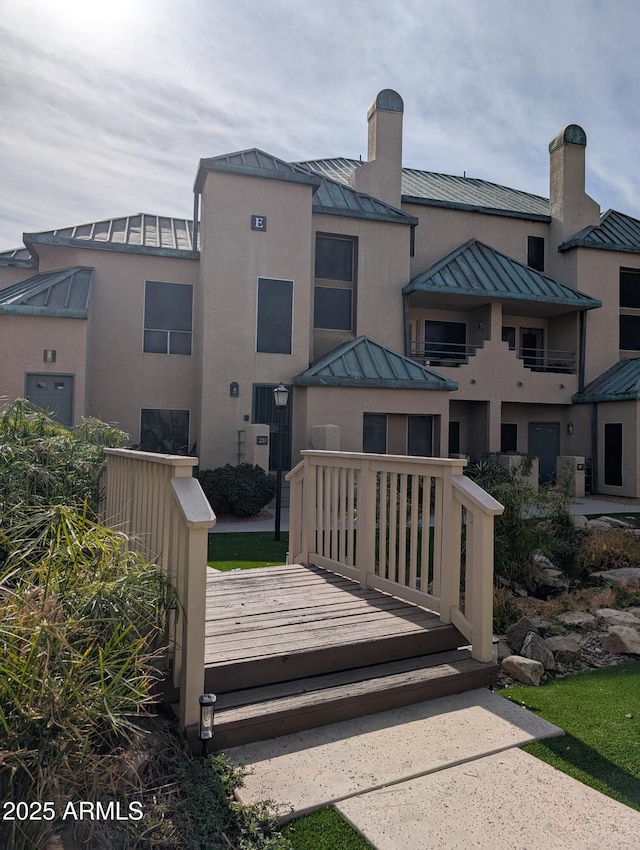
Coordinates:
x,y
205,727
280,398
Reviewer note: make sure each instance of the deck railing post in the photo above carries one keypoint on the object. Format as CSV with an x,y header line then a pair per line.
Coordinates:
x,y
366,533
309,530
451,538
481,579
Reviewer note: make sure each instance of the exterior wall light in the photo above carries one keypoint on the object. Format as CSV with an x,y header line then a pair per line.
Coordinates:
x,y
570,429
205,729
280,398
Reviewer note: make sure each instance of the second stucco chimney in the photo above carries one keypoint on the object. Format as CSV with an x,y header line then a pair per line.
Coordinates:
x,y
381,176
571,208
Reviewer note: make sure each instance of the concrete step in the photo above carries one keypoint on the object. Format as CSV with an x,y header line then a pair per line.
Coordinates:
x,y
260,713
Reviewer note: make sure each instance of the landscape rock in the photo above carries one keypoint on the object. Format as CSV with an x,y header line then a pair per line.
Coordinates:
x,y
536,648
516,633
519,589
566,650
542,562
614,522
543,626
598,525
634,611
631,574
580,523
578,620
524,670
613,617
622,640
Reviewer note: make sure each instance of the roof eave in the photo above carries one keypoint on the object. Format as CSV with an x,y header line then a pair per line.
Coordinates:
x,y
455,205
43,312
580,398
302,178
372,383
582,243
32,239
405,218
498,296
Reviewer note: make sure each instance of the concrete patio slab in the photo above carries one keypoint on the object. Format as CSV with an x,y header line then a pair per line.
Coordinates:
x,y
507,801
304,771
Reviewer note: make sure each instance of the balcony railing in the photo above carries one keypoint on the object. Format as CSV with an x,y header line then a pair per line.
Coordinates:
x,y
457,354
442,353
548,360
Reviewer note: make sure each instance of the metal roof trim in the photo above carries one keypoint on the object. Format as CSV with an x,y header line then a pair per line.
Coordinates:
x,y
373,357
498,264
48,312
456,205
118,247
319,209
625,375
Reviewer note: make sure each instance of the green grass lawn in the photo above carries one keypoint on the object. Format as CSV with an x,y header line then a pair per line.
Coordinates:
x,y
324,830
246,550
600,712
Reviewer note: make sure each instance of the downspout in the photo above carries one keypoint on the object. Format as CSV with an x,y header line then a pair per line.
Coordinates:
x,y
594,447
196,223
582,342
407,341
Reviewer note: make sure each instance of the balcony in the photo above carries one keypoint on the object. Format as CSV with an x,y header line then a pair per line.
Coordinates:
x,y
456,354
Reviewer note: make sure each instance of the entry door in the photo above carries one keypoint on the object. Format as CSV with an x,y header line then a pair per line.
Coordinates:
x,y
53,393
544,443
265,412
532,347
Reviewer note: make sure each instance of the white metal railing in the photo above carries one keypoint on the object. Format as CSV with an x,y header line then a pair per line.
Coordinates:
x,y
155,499
402,525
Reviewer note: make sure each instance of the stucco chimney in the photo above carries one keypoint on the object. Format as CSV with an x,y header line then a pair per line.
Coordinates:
x,y
571,208
381,176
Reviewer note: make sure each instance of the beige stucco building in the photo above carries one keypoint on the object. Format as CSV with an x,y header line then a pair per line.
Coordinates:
x,y
407,311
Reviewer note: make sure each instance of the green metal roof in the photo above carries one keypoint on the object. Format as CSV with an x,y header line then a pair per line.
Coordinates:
x,y
141,233
65,293
333,198
255,163
447,190
616,232
476,269
621,382
365,363
19,257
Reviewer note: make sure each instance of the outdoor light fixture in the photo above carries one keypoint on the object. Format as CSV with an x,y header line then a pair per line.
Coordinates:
x,y
570,429
205,729
280,399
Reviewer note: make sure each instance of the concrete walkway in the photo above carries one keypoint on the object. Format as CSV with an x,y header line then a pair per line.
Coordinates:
x,y
443,775
588,505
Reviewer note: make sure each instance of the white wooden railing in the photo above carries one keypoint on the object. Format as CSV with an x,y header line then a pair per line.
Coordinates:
x,y
414,527
155,499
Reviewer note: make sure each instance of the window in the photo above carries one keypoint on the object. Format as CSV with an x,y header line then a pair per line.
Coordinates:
x,y
509,437
613,454
509,335
630,310
275,316
374,433
164,431
332,299
629,288
535,252
630,333
168,317
454,438
420,436
445,341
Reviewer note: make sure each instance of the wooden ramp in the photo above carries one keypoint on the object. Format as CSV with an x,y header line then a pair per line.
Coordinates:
x,y
293,647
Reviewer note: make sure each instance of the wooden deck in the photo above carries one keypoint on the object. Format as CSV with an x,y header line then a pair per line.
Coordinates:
x,y
293,647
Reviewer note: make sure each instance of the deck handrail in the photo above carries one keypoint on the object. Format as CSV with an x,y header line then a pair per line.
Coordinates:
x,y
154,499
369,517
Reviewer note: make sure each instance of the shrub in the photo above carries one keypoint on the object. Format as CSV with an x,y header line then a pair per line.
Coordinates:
x,y
532,521
608,550
241,491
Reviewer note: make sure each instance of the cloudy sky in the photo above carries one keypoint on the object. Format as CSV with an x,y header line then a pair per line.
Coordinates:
x,y
108,106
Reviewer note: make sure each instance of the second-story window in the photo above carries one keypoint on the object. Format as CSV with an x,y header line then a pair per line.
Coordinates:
x,y
333,295
630,309
168,317
535,252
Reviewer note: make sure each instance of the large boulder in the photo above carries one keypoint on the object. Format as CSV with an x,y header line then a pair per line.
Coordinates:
x,y
516,633
613,617
524,670
536,648
631,574
577,620
566,650
621,640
